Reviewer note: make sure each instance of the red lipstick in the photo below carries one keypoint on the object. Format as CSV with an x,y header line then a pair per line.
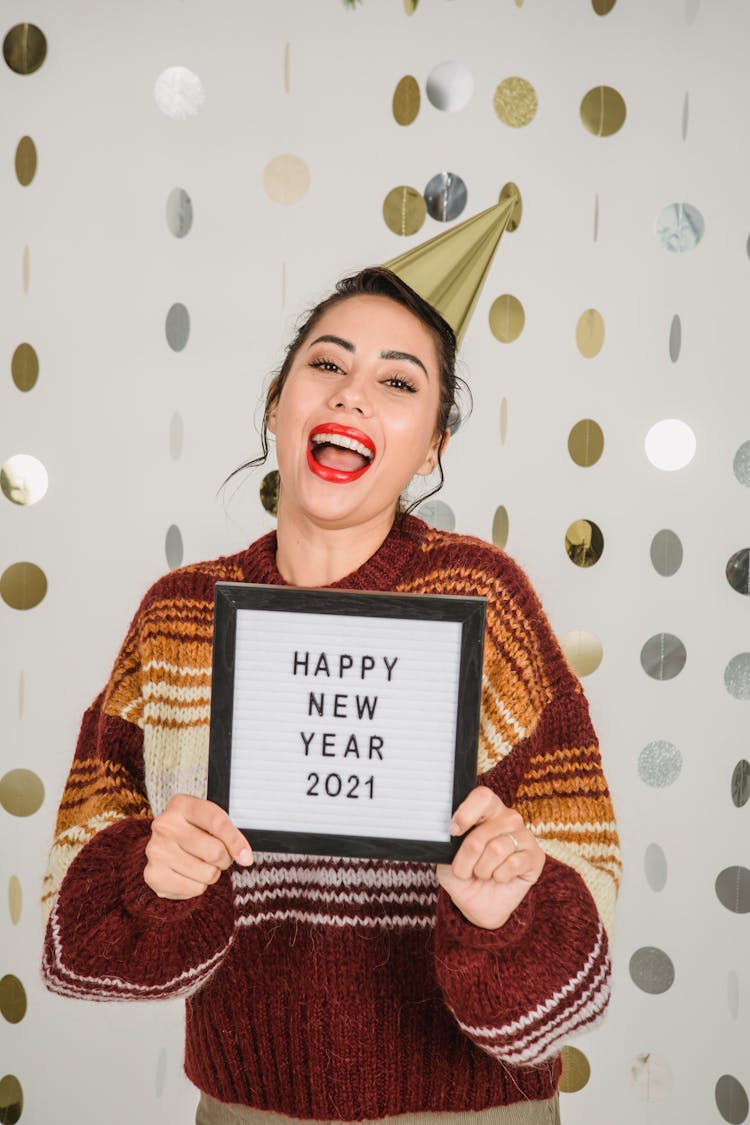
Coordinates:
x,y
326,472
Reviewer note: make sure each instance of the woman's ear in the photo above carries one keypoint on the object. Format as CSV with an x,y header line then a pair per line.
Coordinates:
x,y
438,447
272,407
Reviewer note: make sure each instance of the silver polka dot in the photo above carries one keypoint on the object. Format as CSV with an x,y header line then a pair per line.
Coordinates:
x,y
679,227
666,552
733,889
655,866
737,676
652,970
659,764
675,339
179,212
663,656
179,93
450,86
742,464
437,514
445,196
731,1100
173,546
741,784
177,327
738,571
650,1077
733,993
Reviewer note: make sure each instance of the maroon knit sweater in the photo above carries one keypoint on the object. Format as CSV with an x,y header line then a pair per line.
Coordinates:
x,y
341,988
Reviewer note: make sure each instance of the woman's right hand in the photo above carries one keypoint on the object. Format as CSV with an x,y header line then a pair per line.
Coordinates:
x,y
191,843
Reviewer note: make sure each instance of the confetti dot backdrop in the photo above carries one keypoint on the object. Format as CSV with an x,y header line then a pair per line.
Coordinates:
x,y
176,190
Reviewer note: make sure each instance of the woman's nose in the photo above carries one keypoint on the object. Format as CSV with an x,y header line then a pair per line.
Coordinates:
x,y
350,394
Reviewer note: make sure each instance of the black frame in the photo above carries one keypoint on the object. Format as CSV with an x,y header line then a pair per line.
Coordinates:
x,y
469,611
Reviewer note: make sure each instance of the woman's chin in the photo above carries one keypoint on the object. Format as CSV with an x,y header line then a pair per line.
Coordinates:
x,y
335,507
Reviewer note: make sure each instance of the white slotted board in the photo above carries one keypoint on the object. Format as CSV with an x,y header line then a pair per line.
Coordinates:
x,y
399,788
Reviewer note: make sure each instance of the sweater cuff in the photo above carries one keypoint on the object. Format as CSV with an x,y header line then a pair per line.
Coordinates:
x,y
458,930
122,848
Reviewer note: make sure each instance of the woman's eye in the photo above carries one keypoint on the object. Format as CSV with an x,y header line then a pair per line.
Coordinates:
x,y
325,365
401,384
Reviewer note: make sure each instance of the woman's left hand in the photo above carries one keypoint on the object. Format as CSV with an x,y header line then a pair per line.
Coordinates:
x,y
497,863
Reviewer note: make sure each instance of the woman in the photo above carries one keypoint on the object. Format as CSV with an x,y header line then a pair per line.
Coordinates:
x,y
335,989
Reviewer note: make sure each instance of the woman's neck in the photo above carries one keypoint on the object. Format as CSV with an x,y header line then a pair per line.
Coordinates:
x,y
310,555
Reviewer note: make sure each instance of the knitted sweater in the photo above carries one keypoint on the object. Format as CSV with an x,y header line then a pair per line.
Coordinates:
x,y
341,988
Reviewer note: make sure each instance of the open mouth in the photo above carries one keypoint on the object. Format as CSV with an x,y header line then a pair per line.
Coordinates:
x,y
339,454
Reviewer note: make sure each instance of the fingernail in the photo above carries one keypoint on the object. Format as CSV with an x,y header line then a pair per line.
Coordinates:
x,y
454,827
245,857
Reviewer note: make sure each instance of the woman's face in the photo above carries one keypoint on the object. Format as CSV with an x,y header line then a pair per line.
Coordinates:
x,y
357,414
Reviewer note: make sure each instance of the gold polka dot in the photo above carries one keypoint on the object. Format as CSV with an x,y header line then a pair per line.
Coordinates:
x,y
576,1070
269,492
584,543
586,442
500,527
583,651
25,161
603,111
286,179
23,585
15,899
406,100
515,102
603,7
590,333
12,999
24,367
404,210
11,1100
507,318
506,192
410,6
25,48
21,792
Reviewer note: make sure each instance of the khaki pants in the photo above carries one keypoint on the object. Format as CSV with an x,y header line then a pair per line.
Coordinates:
x,y
211,1112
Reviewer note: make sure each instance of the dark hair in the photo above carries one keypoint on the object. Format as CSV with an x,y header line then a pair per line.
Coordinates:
x,y
377,281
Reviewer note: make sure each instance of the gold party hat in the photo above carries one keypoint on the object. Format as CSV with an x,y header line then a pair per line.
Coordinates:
x,y
450,269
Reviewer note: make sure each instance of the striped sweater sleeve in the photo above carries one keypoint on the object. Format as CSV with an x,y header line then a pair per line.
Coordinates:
x,y
521,991
108,935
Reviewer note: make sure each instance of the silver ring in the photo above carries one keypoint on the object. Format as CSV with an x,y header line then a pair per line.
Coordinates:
x,y
516,845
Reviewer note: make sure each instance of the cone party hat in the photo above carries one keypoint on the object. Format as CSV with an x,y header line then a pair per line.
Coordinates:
x,y
449,270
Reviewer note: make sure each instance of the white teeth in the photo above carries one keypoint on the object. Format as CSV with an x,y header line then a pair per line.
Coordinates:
x,y
343,442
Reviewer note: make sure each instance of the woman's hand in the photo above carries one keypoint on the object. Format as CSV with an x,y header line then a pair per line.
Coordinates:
x,y
191,843
497,863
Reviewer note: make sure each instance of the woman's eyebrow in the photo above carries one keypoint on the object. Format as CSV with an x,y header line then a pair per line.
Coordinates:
x,y
349,346
405,355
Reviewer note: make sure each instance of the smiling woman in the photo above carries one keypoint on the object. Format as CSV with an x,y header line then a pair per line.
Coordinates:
x,y
322,988
356,413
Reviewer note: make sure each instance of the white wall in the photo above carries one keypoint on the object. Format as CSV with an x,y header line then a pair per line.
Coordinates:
x,y
104,270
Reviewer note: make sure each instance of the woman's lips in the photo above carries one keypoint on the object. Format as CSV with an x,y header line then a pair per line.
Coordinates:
x,y
330,473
